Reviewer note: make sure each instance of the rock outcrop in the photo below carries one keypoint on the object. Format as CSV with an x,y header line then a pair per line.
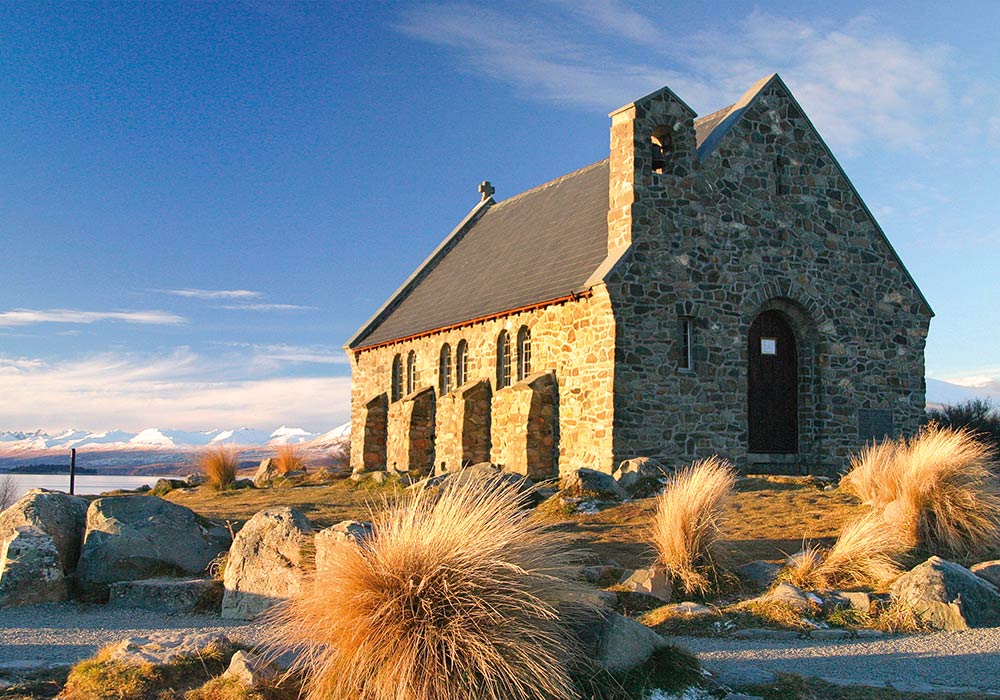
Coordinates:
x,y
266,473
40,538
60,516
168,595
947,595
650,583
250,669
267,563
346,533
137,537
989,570
641,476
588,483
30,569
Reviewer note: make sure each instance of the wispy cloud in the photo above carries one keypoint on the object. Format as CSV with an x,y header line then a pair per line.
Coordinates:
x,y
24,317
858,82
308,354
180,389
241,299
266,307
212,293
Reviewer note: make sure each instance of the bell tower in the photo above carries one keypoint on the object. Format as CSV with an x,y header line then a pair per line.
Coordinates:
x,y
652,146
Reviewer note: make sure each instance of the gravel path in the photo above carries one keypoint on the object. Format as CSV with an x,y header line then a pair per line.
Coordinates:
x,y
63,633
967,659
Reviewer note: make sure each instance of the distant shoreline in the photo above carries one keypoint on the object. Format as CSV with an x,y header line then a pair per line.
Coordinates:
x,y
56,469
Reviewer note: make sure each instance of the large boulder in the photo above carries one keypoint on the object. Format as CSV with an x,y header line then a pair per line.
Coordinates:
x,y
267,563
650,583
989,570
347,533
641,476
266,472
761,573
137,537
947,595
60,516
30,569
589,483
251,670
168,595
794,597
624,643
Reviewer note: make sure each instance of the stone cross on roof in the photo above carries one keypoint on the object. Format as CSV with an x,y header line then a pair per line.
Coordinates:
x,y
486,189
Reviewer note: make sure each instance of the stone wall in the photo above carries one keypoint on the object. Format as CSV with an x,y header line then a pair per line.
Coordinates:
x,y
573,340
767,221
526,427
374,424
463,427
411,429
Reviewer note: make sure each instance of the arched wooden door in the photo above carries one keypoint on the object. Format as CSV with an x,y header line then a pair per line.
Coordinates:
x,y
773,386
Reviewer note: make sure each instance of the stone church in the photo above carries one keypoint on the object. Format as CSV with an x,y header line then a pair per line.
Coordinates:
x,y
715,286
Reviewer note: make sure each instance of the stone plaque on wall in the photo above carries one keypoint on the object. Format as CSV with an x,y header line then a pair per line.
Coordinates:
x,y
875,424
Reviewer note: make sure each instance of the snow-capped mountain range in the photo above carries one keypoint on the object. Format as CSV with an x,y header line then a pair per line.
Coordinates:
x,y
12,443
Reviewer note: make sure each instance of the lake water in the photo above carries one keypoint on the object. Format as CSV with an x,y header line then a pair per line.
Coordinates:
x,y
85,483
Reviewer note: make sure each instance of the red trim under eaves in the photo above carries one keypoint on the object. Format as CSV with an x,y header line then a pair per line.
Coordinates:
x,y
471,322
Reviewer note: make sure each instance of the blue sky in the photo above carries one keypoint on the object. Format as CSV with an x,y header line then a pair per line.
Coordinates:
x,y
199,203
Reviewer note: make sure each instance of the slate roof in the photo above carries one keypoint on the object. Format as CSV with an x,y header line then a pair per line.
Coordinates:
x,y
538,246
541,245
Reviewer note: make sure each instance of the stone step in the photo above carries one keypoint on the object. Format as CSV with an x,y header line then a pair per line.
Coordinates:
x,y
171,595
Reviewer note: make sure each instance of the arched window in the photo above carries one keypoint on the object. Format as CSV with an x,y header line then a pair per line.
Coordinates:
x,y
461,363
523,353
444,370
411,372
396,380
503,360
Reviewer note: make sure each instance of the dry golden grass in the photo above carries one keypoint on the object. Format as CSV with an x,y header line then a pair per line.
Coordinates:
x,y
866,554
803,568
289,459
937,490
218,464
688,522
224,688
454,596
874,476
104,677
769,613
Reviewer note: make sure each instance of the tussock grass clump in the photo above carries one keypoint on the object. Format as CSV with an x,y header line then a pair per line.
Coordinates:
x,y
866,554
289,459
803,568
455,595
218,464
688,522
937,490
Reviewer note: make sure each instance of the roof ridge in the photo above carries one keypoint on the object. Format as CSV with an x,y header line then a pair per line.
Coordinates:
x,y
714,114
550,183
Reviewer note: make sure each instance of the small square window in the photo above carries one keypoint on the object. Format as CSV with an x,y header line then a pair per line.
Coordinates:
x,y
768,346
